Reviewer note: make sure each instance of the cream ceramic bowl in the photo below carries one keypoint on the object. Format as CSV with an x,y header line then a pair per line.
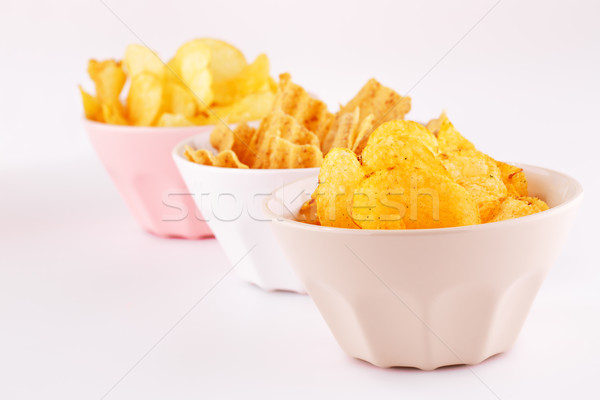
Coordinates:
x,y
230,200
138,159
427,298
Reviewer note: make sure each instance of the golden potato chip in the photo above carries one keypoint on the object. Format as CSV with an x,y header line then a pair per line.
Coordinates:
x,y
449,139
479,175
91,106
373,98
109,78
435,124
226,61
391,150
168,119
253,106
112,115
414,199
140,59
144,100
252,78
513,207
178,99
534,201
308,213
190,68
308,111
514,179
340,174
404,128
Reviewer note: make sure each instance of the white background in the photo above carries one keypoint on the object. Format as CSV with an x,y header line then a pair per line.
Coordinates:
x,y
84,294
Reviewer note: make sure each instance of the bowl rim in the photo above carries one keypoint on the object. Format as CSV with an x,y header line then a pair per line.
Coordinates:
x,y
149,130
177,154
576,198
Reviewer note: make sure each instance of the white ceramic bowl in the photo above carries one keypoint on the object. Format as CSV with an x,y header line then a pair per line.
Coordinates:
x,y
433,297
231,200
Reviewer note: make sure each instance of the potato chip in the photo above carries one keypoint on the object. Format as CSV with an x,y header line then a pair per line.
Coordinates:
x,y
374,98
449,139
140,59
190,68
178,99
389,151
109,79
200,156
340,174
252,78
249,108
405,128
112,115
479,175
514,179
225,159
144,101
168,119
308,111
308,213
513,207
91,106
226,61
414,199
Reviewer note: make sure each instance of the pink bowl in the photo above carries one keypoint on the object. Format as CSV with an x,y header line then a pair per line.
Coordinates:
x,y
138,159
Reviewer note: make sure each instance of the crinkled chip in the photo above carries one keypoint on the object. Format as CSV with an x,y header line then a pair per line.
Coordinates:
x,y
285,154
362,134
340,174
373,98
228,159
396,199
144,100
225,159
284,126
237,139
308,111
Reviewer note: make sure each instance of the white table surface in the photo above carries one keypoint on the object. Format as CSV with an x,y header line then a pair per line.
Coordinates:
x,y
85,294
